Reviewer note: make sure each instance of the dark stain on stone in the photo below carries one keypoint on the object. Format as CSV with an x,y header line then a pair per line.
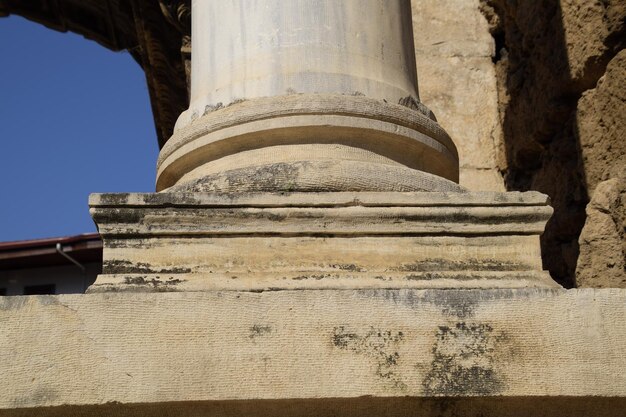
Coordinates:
x,y
126,267
469,217
272,177
457,304
422,277
155,283
117,215
440,264
211,108
316,277
115,199
259,330
342,339
379,345
137,280
463,303
410,102
276,217
430,276
348,267
236,101
414,104
39,394
136,242
462,363
118,244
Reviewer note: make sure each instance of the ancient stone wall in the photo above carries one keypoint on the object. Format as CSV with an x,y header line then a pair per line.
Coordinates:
x,y
457,81
561,77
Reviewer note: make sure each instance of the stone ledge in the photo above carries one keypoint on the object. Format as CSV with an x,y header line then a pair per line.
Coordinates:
x,y
316,280
217,346
321,199
349,407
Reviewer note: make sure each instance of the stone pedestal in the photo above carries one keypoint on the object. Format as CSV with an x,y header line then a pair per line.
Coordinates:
x,y
272,241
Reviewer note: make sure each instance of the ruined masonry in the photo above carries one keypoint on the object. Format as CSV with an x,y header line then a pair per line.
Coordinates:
x,y
309,251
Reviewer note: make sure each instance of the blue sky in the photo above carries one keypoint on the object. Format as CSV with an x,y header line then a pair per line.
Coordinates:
x,y
75,119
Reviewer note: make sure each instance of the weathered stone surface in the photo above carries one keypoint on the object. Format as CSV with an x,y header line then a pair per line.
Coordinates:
x,y
591,30
601,123
204,242
549,55
458,82
254,134
293,168
144,348
450,28
602,260
279,77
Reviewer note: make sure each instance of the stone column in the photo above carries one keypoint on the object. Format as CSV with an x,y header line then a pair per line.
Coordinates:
x,y
306,95
301,164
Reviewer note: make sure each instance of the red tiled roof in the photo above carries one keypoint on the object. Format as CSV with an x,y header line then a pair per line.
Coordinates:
x,y
35,253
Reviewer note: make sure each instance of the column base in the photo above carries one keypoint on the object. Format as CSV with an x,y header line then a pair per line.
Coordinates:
x,y
244,142
273,241
297,172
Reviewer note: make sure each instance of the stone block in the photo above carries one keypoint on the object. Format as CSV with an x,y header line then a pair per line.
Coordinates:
x,y
462,94
450,28
385,352
457,81
203,242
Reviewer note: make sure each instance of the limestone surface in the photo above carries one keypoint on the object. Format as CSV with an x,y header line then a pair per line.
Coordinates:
x,y
280,79
601,123
561,81
263,241
602,260
359,139
179,348
457,80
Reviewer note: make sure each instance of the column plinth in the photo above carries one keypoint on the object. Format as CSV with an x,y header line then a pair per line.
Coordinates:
x,y
306,96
